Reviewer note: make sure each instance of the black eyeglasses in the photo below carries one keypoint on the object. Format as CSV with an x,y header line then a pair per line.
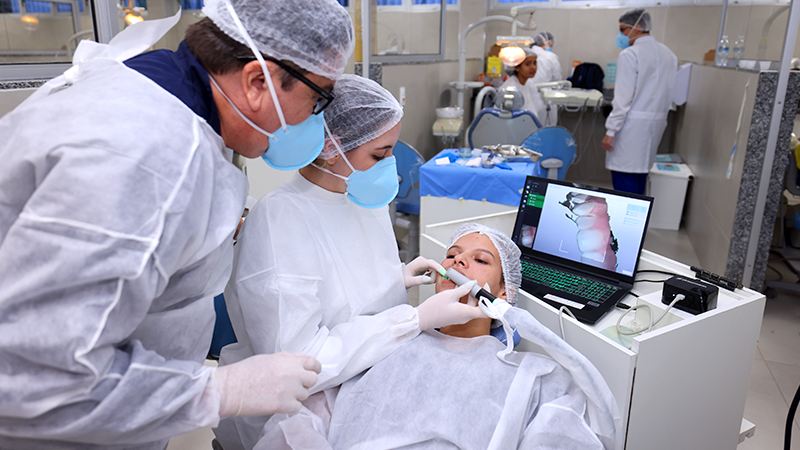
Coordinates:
x,y
326,97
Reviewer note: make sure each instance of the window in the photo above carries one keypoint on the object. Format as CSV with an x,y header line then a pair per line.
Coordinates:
x,y
40,7
191,4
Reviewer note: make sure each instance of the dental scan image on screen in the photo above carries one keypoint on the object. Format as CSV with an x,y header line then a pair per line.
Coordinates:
x,y
590,227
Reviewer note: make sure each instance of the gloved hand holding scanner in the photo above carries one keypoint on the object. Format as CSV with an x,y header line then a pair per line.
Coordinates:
x,y
419,271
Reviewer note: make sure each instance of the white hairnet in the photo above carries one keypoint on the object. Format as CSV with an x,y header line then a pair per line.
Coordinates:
x,y
511,70
636,16
509,255
542,38
362,111
316,35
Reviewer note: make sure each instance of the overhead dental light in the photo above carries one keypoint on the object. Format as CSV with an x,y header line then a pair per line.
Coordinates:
x,y
132,13
462,85
132,18
29,22
512,53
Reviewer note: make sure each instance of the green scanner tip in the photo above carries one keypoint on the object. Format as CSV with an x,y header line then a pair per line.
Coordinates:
x,y
443,274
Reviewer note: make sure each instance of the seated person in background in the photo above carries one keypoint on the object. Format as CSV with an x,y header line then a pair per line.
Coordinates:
x,y
521,77
449,388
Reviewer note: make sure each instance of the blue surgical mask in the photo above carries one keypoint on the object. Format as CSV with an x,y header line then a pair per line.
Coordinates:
x,y
371,188
291,146
548,48
622,41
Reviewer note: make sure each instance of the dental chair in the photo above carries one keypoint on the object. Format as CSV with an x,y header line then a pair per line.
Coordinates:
x,y
405,207
558,150
507,123
223,330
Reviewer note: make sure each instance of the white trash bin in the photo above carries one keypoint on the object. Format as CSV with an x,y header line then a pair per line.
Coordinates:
x,y
667,184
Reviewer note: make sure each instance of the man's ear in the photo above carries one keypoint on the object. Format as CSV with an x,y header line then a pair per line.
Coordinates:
x,y
255,86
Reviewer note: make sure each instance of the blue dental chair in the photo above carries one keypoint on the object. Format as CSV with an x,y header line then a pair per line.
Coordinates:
x,y
223,330
405,207
558,150
508,123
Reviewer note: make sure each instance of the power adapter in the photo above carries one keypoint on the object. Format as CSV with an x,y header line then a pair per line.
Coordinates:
x,y
700,296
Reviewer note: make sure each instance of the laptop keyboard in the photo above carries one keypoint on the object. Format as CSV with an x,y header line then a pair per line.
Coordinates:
x,y
566,282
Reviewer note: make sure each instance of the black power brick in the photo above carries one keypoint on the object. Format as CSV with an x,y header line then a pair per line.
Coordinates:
x,y
700,296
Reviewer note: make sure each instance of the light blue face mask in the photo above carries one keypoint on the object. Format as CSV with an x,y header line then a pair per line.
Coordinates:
x,y
291,146
371,188
622,41
548,48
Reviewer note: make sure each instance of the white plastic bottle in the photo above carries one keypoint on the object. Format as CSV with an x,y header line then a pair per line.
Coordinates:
x,y
723,49
738,51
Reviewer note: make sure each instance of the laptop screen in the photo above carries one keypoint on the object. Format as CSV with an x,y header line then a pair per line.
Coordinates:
x,y
600,230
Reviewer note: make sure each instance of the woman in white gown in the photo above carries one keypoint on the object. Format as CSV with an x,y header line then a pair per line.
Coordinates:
x,y
449,389
316,268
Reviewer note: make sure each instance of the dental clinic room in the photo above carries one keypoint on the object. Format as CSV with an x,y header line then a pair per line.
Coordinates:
x,y
533,224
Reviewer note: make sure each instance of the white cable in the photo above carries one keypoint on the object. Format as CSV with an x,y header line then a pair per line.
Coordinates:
x,y
561,312
677,298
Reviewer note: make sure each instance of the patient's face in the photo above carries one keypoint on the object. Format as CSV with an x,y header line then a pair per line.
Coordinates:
x,y
475,257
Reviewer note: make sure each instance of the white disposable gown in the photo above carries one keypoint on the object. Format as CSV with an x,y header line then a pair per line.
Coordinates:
x,y
315,274
117,211
642,99
533,99
445,392
548,70
548,66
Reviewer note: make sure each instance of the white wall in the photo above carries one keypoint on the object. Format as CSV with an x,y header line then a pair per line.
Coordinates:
x,y
588,35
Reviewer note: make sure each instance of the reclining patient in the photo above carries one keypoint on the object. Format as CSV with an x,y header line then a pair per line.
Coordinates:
x,y
451,388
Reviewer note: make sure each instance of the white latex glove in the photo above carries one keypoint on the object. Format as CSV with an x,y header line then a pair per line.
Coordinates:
x,y
414,273
444,308
266,384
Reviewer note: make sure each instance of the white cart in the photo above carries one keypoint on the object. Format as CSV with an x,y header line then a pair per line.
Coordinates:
x,y
682,385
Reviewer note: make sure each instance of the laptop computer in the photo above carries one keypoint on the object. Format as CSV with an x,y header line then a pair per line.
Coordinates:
x,y
580,244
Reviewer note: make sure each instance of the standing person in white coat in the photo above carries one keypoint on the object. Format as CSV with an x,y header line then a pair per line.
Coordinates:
x,y
646,72
112,245
521,77
316,268
549,68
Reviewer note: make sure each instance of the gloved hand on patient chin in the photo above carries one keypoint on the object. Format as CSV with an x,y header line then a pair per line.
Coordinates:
x,y
265,384
445,309
414,273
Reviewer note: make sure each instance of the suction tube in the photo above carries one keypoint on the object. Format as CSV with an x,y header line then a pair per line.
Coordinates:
x,y
477,291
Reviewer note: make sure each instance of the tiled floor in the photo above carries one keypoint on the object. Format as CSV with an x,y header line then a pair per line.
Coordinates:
x,y
776,368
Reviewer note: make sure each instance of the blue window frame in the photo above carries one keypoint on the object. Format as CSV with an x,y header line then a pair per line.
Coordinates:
x,y
191,4
42,7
